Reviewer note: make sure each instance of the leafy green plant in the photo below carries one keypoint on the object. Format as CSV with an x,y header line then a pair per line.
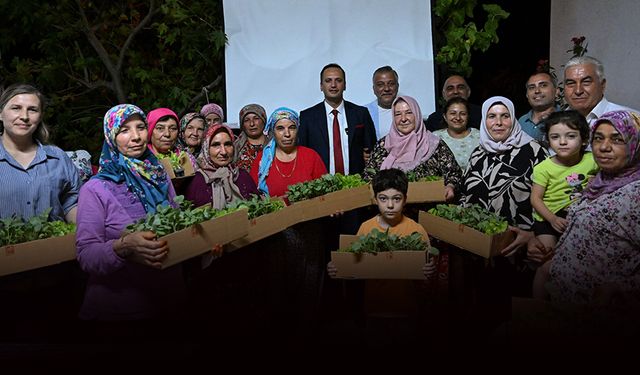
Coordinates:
x,y
167,219
174,158
258,206
323,185
456,37
413,177
16,230
474,216
376,241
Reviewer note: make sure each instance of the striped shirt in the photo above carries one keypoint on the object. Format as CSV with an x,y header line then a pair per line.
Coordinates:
x,y
51,180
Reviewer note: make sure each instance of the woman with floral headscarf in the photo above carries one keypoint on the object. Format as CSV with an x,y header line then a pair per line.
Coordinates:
x,y
597,259
218,181
282,163
192,130
410,147
125,281
252,139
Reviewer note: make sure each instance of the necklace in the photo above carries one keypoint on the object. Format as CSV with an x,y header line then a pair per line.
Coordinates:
x,y
295,161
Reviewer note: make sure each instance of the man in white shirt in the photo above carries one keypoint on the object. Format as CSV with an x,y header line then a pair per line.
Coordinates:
x,y
385,88
584,86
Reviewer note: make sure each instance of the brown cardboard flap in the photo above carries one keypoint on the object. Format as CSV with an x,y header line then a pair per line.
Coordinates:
x,y
201,238
465,237
265,226
328,204
36,254
399,264
426,191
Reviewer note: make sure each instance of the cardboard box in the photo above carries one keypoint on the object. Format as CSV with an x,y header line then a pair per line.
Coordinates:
x,y
36,254
426,191
185,163
325,205
398,264
265,226
201,238
465,237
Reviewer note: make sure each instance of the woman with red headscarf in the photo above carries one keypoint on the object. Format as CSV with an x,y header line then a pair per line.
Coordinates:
x,y
218,181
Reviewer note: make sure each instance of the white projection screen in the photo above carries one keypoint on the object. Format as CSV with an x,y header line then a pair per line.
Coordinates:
x,y
277,48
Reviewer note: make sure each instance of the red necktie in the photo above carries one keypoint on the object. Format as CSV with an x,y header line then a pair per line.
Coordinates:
x,y
337,145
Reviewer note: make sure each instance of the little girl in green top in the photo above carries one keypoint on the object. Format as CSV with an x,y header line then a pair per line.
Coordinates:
x,y
558,181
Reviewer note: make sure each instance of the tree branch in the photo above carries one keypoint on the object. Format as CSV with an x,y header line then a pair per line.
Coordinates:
x,y
142,24
91,85
199,97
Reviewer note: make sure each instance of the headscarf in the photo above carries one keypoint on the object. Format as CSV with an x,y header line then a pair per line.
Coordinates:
x,y
408,151
628,125
223,188
212,108
145,177
184,121
516,139
269,151
153,118
258,110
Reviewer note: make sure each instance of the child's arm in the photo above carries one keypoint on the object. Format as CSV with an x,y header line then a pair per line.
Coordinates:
x,y
537,192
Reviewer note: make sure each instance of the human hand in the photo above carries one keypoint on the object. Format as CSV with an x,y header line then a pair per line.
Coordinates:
x,y
217,251
366,154
559,224
429,269
338,213
449,194
537,252
522,237
332,270
143,248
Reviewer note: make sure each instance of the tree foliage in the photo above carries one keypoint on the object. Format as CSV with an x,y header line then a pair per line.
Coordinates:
x,y
88,55
457,36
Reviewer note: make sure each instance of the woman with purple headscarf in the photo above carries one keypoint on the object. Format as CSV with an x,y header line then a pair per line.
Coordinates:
x,y
597,259
212,113
409,146
252,138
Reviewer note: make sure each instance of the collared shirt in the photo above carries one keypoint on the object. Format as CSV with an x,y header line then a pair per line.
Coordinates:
x,y
50,180
605,106
344,136
534,129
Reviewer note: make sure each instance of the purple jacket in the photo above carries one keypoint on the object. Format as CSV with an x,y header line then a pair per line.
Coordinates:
x,y
116,288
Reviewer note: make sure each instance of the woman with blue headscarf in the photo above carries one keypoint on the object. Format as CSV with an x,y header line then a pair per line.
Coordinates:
x,y
125,282
282,162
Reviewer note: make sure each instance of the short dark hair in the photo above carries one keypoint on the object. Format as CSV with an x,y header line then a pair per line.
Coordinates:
x,y
391,178
42,132
333,65
572,119
385,69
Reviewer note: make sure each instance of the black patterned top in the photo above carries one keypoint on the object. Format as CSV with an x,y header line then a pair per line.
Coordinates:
x,y
502,182
441,163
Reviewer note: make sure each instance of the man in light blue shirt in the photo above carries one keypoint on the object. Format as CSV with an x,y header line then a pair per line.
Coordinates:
x,y
385,87
542,90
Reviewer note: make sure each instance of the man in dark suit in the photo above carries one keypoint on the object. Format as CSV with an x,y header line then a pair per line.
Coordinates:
x,y
356,133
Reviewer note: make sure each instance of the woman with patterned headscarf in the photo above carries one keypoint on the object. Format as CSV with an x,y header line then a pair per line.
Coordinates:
x,y
212,113
125,281
597,260
218,181
252,139
192,130
282,162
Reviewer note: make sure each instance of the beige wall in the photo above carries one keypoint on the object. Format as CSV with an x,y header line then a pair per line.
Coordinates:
x,y
612,29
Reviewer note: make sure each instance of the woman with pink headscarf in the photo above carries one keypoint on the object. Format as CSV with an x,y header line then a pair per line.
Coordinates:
x,y
163,134
409,146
